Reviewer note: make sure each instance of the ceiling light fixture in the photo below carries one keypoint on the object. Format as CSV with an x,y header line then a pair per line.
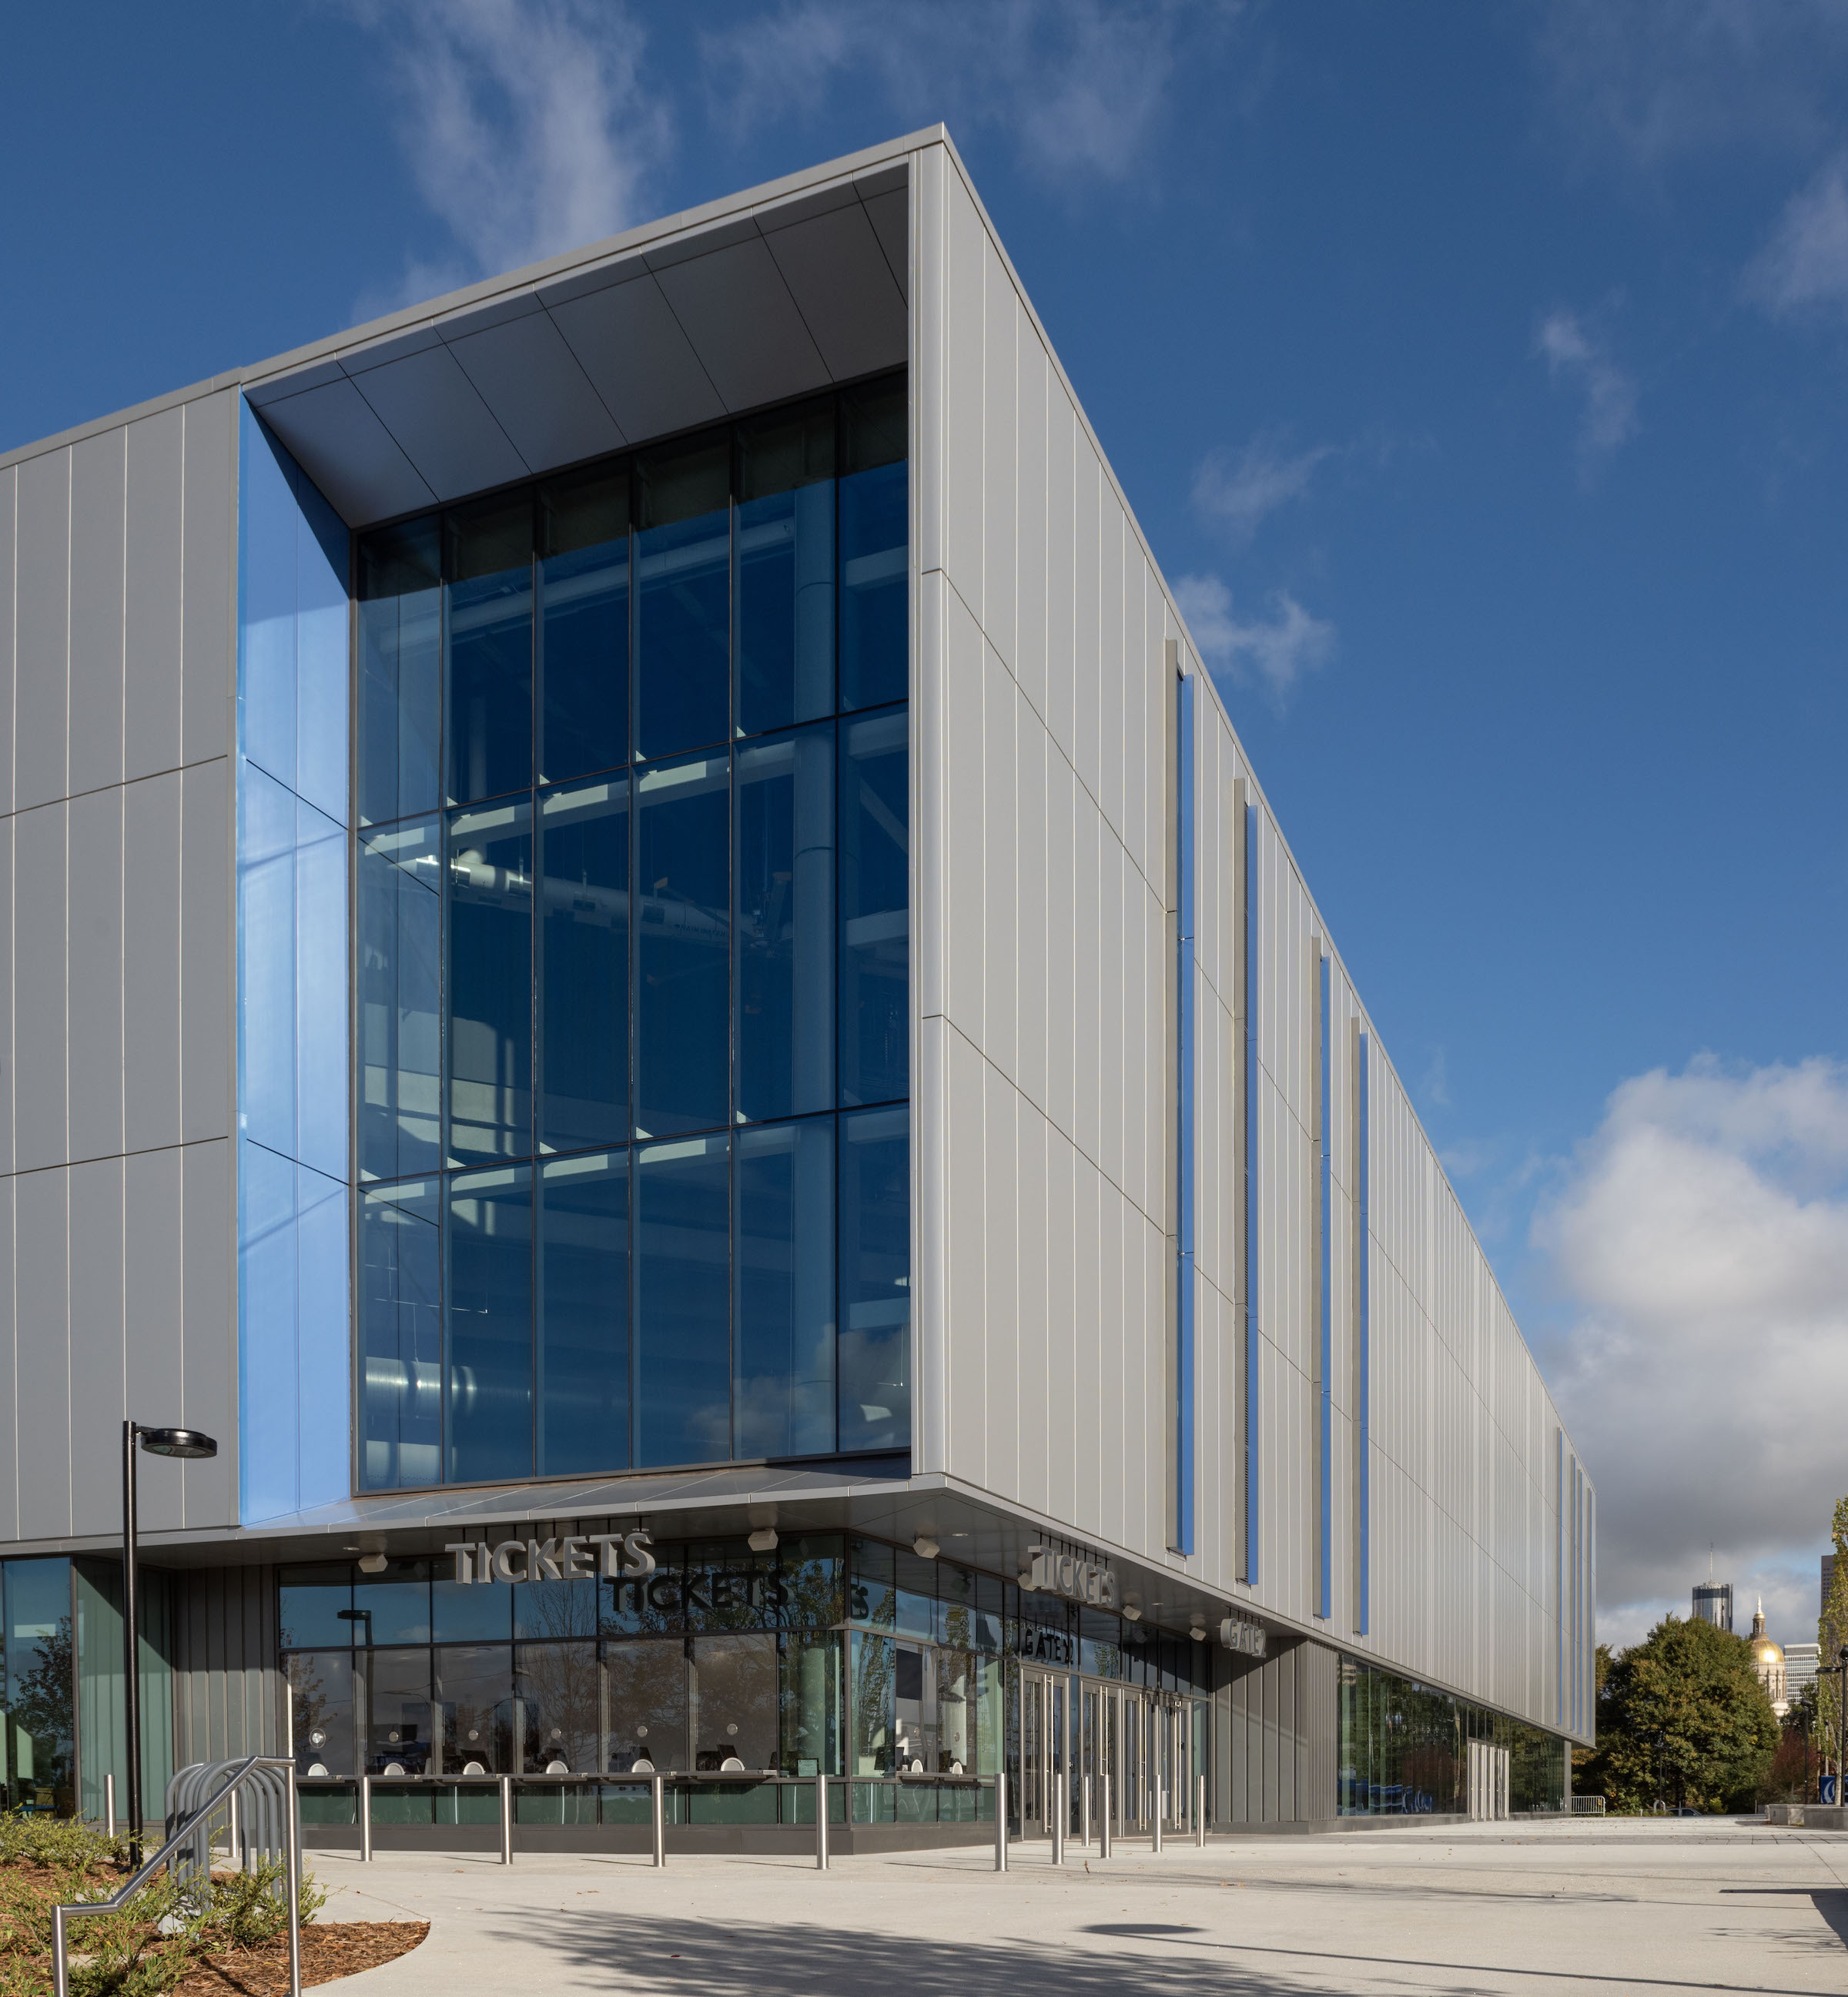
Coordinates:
x,y
763,1540
925,1547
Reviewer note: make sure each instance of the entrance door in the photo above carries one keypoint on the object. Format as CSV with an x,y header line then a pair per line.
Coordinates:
x,y
1046,1708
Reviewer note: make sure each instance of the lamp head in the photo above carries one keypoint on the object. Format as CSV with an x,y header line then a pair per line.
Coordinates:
x,y
190,1443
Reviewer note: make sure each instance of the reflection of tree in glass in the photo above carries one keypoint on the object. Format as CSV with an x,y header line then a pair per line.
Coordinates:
x,y
557,1686
313,1711
41,1708
873,1687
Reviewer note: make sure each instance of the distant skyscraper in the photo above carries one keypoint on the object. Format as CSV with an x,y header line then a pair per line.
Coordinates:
x,y
1713,1602
1799,1668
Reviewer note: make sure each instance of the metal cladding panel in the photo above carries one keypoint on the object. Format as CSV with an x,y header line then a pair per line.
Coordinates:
x,y
433,410
42,630
226,1691
206,1040
208,1382
97,1328
95,883
151,968
41,1136
42,1365
336,438
153,1246
842,285
627,340
744,324
546,405
98,475
208,563
1042,719
152,643
9,511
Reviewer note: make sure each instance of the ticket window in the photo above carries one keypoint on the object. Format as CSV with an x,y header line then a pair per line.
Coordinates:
x,y
914,1689
644,1712
734,1704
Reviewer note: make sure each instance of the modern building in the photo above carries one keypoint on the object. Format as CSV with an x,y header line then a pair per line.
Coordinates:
x,y
1799,1661
1713,1603
643,968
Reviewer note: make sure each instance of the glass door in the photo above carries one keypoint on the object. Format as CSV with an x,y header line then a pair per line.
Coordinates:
x,y
1035,1735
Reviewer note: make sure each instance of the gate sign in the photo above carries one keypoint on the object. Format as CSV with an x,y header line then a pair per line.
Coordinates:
x,y
624,1556
1240,1632
1077,1580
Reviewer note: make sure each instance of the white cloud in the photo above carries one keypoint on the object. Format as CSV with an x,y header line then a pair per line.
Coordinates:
x,y
1239,491
526,125
1805,263
1702,1235
1576,359
1271,656
1080,84
1437,1078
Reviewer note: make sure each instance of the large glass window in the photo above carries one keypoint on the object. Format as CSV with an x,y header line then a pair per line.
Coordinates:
x,y
632,933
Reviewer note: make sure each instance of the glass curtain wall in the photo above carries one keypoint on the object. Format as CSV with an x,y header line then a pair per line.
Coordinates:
x,y
1405,1749
632,944
38,1683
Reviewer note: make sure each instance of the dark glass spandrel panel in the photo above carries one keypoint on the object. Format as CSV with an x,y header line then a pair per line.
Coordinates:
x,y
490,937
490,1350
584,625
874,1353
875,554
397,1724
393,1607
557,1701
916,1595
401,1340
873,1584
812,1569
783,1271
584,1356
785,554
474,1708
584,966
683,1328
683,945
734,1702
488,552
310,1599
321,1714
647,1685
400,620
785,814
875,957
400,895
468,1612
683,600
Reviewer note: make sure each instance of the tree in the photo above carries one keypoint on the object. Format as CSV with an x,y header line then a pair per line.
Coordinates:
x,y
1683,1720
1831,1633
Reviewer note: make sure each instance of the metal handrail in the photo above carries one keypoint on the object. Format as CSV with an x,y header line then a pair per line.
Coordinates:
x,y
85,1909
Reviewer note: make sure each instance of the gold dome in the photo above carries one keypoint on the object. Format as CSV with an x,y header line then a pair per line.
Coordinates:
x,y
1766,1652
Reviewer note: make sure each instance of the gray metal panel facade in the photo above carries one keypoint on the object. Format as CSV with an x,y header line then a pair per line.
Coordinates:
x,y
227,1697
116,680
1044,1078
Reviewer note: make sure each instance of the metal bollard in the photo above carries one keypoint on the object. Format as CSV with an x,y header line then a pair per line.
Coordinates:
x,y
1103,1822
821,1823
1155,1842
291,1836
506,1820
365,1820
1000,1823
109,1803
661,1827
1059,1818
1087,1812
1200,1816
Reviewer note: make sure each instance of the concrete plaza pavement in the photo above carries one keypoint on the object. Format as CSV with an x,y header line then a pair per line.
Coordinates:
x,y
1634,1906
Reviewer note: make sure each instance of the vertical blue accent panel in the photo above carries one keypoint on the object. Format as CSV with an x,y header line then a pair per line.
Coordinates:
x,y
293,1281
1250,982
1184,1048
1363,1356
1324,1209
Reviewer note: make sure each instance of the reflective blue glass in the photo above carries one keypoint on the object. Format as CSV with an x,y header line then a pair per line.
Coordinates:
x,y
266,944
682,955
584,625
785,554
321,1055
583,1350
682,1329
489,706
324,1283
400,618
490,985
874,1354
584,966
683,600
874,547
783,1272
488,1361
400,1335
784,809
875,900
266,1306
399,882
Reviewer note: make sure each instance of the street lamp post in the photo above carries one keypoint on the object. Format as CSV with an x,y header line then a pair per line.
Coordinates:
x,y
187,1443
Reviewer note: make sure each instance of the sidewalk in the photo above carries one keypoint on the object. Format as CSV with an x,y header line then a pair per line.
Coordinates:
x,y
1629,1906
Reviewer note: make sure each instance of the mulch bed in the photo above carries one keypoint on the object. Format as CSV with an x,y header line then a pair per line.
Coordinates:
x,y
329,1950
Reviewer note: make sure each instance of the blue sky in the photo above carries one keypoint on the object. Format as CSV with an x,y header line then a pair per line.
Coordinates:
x,y
1477,373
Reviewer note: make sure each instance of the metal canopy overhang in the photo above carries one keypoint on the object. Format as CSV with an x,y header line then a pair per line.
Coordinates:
x,y
784,299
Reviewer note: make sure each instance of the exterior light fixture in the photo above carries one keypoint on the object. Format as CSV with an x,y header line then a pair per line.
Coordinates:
x,y
1198,1634
190,1445
925,1547
1131,1613
763,1540
372,1563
